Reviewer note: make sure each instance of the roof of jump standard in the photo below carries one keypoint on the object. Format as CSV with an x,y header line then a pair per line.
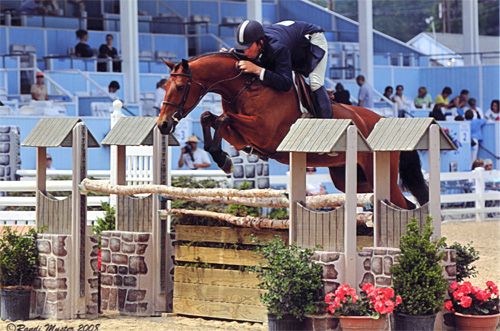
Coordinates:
x,y
405,134
134,131
56,132
320,136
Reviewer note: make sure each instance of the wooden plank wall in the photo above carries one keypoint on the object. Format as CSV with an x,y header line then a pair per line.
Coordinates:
x,y
211,289
134,213
53,215
394,220
320,228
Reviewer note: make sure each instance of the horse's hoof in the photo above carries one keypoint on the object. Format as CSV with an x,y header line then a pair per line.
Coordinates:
x,y
227,167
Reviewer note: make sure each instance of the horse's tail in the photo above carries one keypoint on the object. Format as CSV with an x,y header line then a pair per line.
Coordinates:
x,y
410,172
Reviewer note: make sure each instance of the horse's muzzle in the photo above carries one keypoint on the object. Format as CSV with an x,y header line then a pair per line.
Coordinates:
x,y
167,127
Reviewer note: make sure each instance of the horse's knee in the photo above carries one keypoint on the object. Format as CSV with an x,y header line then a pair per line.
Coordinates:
x,y
206,118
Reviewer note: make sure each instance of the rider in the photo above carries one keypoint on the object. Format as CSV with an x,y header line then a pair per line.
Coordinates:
x,y
282,47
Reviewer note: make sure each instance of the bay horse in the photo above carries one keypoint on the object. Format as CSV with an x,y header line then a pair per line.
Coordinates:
x,y
258,117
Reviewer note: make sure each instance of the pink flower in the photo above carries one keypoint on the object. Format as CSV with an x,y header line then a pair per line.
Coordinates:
x,y
329,297
454,286
398,300
466,301
448,304
483,295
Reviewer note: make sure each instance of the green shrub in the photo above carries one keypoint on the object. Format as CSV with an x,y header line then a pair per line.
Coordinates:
x,y
418,277
18,258
466,256
108,222
291,280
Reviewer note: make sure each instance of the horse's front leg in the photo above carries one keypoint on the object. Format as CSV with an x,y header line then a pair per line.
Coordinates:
x,y
214,145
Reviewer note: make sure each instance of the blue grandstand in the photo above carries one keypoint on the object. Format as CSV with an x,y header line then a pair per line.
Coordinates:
x,y
176,29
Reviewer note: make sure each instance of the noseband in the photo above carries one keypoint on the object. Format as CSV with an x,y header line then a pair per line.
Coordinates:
x,y
179,107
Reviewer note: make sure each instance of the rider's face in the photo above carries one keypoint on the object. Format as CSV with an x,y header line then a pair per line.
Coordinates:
x,y
253,51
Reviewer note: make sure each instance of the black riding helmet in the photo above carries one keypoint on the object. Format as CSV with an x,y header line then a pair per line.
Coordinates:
x,y
247,33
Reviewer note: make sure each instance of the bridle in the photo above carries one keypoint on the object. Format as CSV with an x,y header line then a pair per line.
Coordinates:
x,y
179,107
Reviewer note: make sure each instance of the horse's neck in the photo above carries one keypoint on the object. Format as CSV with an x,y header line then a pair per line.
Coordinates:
x,y
219,75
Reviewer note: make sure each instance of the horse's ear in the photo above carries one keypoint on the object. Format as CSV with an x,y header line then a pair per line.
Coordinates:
x,y
169,64
185,64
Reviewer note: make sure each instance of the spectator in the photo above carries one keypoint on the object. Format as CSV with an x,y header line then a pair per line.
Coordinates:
x,y
192,157
402,103
32,7
462,99
437,113
478,163
488,164
82,49
78,7
478,113
342,95
113,87
49,163
423,99
476,131
442,99
365,95
108,51
388,93
313,185
159,95
39,89
493,114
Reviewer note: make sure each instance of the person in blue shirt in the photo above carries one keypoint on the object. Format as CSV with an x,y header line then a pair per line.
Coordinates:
x,y
476,131
278,49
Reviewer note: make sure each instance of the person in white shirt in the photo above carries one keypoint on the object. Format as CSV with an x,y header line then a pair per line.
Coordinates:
x,y
478,113
192,157
493,114
402,103
159,95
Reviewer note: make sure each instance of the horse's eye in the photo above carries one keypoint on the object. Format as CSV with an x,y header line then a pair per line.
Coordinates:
x,y
180,87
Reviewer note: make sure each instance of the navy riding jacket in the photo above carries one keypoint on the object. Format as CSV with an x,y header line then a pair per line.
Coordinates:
x,y
287,48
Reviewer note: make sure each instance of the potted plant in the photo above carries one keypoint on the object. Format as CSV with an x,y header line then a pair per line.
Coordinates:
x,y
292,284
418,278
18,268
474,308
367,311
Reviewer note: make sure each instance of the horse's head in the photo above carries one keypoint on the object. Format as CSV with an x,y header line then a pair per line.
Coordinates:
x,y
182,94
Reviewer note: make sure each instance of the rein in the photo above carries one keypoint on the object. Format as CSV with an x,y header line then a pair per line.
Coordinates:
x,y
179,112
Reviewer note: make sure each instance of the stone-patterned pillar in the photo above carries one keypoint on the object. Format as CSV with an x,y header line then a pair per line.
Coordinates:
x,y
91,276
249,168
9,152
126,279
333,269
374,265
50,295
450,265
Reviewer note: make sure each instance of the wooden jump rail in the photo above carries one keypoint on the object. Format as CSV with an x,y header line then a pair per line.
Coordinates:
x,y
253,198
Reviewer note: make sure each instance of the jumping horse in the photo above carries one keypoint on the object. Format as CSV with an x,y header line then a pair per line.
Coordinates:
x,y
257,117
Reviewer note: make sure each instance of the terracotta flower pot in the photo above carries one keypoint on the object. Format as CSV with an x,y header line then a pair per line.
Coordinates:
x,y
348,323
476,322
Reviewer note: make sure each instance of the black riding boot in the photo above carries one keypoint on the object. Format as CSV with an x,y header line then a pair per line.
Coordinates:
x,y
322,103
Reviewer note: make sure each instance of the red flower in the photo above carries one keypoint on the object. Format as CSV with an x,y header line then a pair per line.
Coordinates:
x,y
466,301
483,295
457,295
329,297
448,304
490,283
330,309
398,300
454,286
367,287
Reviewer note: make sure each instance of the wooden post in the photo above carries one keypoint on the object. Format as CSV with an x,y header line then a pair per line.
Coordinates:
x,y
41,169
434,179
382,181
297,190
350,205
158,151
78,223
114,158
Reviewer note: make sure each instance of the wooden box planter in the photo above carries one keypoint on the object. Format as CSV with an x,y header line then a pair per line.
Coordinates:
x,y
211,277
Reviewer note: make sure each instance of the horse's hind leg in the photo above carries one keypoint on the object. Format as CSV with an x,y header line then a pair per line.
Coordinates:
x,y
213,144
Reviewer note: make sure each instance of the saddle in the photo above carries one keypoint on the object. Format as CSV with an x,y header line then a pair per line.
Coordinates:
x,y
304,94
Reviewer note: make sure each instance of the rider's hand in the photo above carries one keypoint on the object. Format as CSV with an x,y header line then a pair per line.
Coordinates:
x,y
249,67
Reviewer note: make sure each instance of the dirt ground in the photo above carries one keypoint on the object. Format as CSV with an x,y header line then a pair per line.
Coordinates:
x,y
485,237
